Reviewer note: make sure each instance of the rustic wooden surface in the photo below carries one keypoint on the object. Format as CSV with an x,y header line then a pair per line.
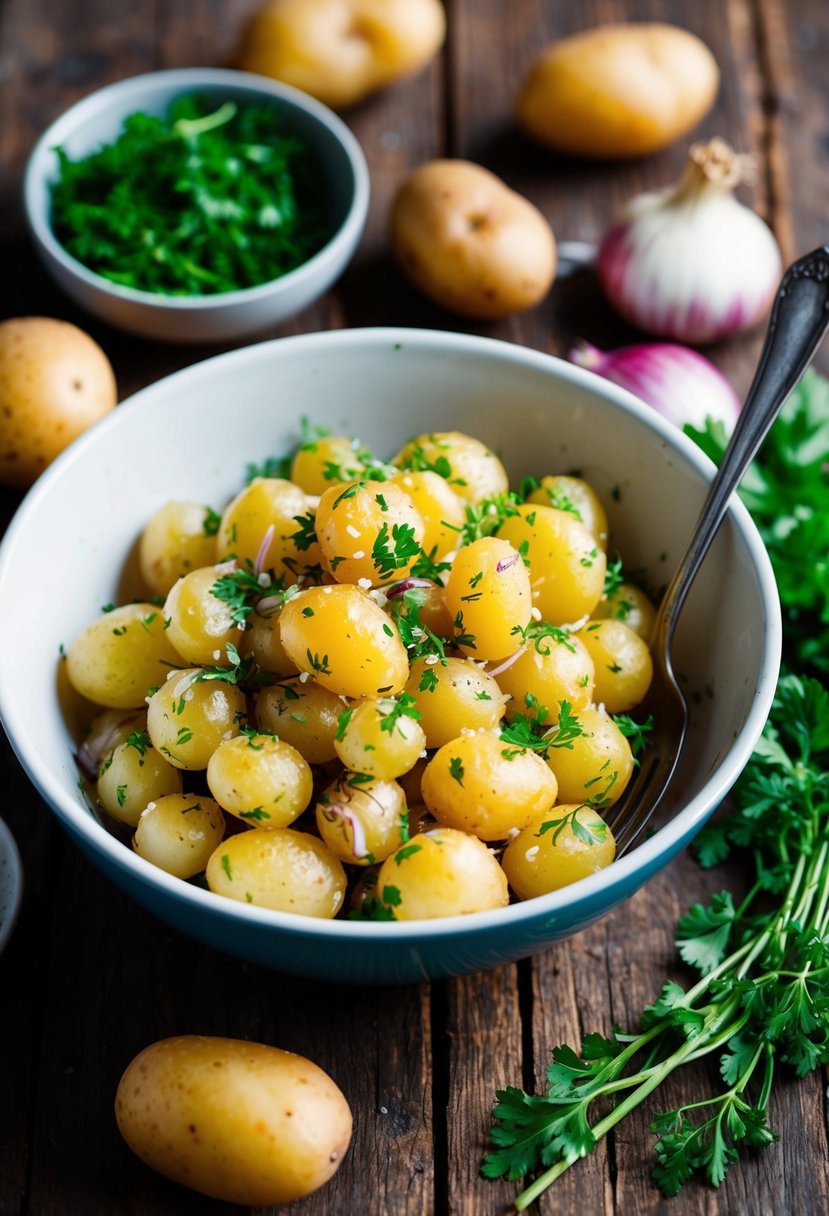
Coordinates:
x,y
89,977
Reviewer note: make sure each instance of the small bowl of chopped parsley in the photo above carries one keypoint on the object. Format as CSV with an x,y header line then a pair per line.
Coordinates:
x,y
196,205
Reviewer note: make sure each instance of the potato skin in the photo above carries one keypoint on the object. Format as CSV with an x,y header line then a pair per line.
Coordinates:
x,y
237,1121
618,91
54,383
340,51
471,243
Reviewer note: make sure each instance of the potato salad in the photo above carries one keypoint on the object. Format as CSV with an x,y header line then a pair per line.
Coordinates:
x,y
388,691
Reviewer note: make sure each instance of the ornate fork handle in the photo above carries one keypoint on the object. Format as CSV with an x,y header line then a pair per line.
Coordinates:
x,y
799,320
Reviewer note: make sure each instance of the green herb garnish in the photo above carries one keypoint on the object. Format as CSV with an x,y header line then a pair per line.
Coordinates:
x,y
197,202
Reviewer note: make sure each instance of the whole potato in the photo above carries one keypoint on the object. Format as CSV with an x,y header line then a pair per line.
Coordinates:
x,y
618,91
341,50
54,383
238,1121
471,243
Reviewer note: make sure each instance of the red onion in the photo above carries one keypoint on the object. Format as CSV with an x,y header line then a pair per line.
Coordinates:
x,y
106,732
406,584
681,385
692,263
507,663
334,812
261,556
506,562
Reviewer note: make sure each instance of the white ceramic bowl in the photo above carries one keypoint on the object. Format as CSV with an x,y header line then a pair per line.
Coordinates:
x,y
63,553
96,120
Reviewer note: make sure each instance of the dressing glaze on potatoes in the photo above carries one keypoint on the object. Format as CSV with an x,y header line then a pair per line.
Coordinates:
x,y
237,1121
468,241
619,91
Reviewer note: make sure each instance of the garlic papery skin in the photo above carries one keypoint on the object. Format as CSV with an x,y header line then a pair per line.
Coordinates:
x,y
692,263
680,384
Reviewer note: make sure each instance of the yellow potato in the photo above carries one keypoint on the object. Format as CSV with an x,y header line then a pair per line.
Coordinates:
x,y
558,847
471,243
344,639
342,50
121,655
618,91
54,383
237,1121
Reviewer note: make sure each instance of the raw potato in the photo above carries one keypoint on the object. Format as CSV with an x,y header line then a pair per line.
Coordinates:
x,y
619,91
237,1121
54,383
471,243
341,50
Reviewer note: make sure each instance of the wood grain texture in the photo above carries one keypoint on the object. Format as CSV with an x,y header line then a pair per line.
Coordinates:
x,y
90,978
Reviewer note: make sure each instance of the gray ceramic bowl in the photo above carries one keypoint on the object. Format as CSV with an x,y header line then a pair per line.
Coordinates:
x,y
97,119
83,515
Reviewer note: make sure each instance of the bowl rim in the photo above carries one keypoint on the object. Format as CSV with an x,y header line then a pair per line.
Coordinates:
x,y
37,174
12,897
611,884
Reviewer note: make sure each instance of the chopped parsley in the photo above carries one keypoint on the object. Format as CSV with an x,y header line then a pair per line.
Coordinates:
x,y
592,832
318,664
537,632
342,724
305,536
408,850
395,708
198,202
140,740
614,577
396,550
211,522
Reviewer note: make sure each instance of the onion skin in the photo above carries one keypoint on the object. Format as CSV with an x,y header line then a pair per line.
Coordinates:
x,y
680,384
692,263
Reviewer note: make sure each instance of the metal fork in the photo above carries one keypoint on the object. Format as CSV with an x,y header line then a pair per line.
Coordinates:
x,y
799,320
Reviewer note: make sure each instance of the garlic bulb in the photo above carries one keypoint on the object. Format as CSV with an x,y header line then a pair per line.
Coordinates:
x,y
692,263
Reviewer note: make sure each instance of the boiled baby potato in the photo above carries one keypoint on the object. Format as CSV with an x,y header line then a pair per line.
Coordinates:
x,y
618,91
238,1121
341,50
471,243
54,383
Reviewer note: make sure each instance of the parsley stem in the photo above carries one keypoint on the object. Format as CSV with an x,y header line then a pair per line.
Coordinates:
x,y
782,920
711,1044
816,881
719,1030
191,128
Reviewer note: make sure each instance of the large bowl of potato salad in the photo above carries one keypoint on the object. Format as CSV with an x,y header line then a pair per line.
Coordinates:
x,y
346,670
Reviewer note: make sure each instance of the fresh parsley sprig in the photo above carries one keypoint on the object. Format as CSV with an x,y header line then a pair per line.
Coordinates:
x,y
762,998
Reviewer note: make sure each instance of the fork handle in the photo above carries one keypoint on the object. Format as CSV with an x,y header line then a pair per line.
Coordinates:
x,y
799,320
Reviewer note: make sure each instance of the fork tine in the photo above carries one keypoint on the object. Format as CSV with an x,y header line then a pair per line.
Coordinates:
x,y
636,810
669,709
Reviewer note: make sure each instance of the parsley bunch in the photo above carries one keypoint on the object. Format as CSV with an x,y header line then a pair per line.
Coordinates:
x,y
762,997
198,202
787,492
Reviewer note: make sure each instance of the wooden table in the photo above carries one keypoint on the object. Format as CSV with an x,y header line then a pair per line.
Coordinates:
x,y
90,978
